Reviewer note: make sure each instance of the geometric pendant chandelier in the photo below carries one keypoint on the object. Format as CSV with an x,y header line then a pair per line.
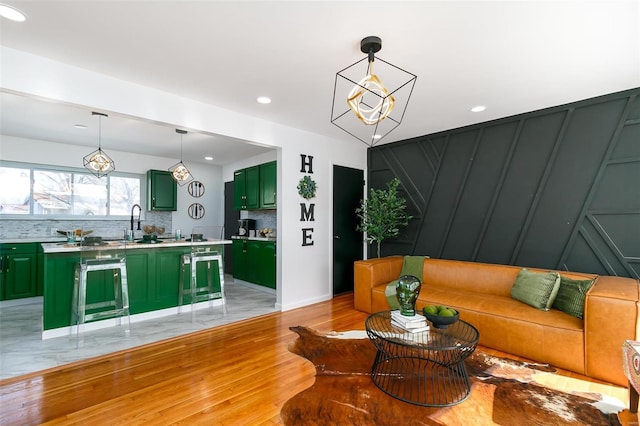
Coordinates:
x,y
98,162
179,171
371,96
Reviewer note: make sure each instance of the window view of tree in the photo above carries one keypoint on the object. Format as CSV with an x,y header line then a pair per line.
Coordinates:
x,y
16,190
124,193
89,195
51,192
66,193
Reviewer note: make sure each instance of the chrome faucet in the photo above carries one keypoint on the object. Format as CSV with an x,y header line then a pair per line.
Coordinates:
x,y
139,212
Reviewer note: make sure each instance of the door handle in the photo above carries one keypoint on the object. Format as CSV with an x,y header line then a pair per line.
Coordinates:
x,y
337,237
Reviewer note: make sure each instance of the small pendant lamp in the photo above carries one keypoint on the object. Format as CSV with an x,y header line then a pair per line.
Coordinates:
x,y
179,171
98,162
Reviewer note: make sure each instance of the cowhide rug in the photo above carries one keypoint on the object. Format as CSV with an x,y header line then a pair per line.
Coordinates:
x,y
504,392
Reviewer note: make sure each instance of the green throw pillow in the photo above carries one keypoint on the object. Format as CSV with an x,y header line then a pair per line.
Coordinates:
x,y
571,296
538,289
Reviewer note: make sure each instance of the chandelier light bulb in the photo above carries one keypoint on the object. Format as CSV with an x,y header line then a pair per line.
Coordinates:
x,y
370,100
181,173
99,162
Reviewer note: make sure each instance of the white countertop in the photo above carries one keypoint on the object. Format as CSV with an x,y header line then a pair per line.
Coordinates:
x,y
238,237
63,247
16,240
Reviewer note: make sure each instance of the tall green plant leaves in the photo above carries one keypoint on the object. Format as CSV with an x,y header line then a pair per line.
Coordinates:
x,y
382,214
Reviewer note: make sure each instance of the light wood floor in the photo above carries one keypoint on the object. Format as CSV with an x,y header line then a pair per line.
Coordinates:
x,y
238,374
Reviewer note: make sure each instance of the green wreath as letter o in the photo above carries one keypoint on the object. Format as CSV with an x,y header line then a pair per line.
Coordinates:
x,y
307,188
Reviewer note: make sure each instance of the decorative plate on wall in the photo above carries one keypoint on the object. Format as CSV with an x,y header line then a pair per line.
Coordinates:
x,y
196,188
196,211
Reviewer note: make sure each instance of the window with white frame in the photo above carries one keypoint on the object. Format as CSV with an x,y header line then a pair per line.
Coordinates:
x,y
30,190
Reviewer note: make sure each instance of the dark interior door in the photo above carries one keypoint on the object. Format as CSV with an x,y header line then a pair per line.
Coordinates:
x,y
231,217
348,187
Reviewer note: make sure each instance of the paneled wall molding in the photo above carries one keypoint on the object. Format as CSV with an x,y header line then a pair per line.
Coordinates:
x,y
557,188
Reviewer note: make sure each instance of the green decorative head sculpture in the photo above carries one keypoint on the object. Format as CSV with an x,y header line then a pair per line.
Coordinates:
x,y
407,290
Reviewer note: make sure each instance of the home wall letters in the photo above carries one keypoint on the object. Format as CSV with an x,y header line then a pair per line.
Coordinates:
x,y
307,190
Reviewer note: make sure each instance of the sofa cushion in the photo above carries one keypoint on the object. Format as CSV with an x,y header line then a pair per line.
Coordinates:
x,y
537,289
571,296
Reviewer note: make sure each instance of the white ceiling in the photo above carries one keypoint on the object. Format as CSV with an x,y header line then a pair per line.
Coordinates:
x,y
512,56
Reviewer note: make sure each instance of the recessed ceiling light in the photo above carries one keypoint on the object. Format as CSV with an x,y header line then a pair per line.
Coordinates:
x,y
264,100
478,108
79,126
12,13
208,158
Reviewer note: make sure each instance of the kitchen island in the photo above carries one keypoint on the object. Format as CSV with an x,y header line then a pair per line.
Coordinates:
x,y
153,272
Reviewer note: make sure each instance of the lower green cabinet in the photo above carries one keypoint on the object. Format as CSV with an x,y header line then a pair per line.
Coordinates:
x,y
267,264
254,261
18,271
240,270
153,277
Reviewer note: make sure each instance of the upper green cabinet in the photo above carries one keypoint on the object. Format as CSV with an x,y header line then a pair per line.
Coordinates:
x,y
162,191
246,188
268,185
255,187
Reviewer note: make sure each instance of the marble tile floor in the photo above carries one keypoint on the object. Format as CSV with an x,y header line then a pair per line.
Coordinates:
x,y
23,351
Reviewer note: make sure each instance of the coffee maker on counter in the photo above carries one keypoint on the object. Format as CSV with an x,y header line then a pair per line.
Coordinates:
x,y
246,225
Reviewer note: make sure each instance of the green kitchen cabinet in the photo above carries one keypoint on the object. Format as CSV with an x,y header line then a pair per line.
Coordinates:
x,y
254,261
240,259
162,191
267,264
246,188
59,271
18,270
39,270
268,185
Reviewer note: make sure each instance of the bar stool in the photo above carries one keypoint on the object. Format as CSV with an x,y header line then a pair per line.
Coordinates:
x,y
204,292
120,302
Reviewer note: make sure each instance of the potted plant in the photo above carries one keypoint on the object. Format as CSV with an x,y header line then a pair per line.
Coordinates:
x,y
382,214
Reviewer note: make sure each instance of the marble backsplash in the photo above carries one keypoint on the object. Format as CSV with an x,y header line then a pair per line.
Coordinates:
x,y
35,228
263,218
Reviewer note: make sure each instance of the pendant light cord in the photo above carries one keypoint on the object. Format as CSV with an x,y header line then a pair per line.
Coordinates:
x,y
100,132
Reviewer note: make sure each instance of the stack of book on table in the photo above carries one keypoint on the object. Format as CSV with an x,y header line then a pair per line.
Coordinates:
x,y
413,324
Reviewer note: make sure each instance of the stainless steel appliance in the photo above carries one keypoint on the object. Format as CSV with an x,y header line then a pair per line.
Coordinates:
x,y
246,225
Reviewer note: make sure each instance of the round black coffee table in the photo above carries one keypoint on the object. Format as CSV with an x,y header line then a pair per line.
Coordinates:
x,y
424,368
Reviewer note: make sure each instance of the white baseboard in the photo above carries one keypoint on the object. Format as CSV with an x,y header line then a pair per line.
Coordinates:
x,y
20,302
113,322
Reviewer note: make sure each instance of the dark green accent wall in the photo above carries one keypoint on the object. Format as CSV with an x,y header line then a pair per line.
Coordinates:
x,y
557,188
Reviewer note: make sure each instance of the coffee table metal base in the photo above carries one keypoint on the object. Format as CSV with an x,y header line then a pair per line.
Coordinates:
x,y
423,368
420,381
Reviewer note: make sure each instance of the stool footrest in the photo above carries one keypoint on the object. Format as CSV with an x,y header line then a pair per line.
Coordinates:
x,y
107,314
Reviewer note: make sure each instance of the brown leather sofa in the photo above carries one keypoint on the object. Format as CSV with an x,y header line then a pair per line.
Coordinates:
x,y
482,294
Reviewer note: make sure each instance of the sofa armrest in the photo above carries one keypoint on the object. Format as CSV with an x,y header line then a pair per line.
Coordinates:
x,y
611,316
371,273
